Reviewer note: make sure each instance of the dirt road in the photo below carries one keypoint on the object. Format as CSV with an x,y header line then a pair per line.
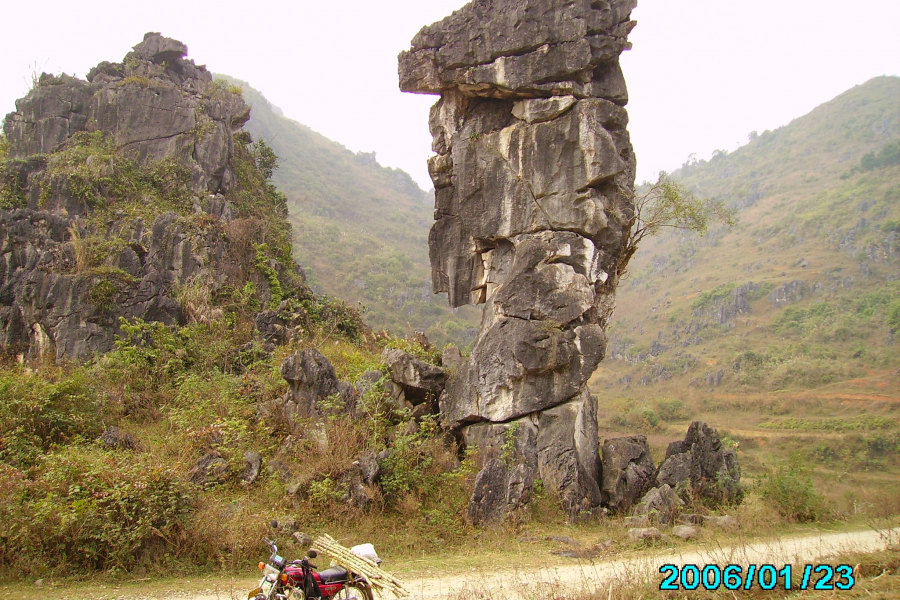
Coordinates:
x,y
505,583
514,585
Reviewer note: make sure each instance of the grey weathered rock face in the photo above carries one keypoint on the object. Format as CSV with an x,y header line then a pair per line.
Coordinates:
x,y
534,187
702,466
499,489
659,505
311,380
628,472
417,380
155,106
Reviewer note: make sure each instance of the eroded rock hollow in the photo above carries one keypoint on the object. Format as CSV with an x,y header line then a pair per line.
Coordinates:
x,y
534,184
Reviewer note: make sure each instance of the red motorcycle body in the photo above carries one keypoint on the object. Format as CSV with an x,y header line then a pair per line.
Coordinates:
x,y
330,581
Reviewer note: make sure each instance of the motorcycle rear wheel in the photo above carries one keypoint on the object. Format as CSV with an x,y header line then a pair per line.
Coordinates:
x,y
354,591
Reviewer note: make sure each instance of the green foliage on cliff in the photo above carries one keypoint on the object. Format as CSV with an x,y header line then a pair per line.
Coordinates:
x,y
360,230
95,172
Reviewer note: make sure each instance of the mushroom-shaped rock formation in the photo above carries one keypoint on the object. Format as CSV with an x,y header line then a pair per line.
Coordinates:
x,y
534,185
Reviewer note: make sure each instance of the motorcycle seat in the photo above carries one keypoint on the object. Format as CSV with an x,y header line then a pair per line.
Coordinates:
x,y
333,575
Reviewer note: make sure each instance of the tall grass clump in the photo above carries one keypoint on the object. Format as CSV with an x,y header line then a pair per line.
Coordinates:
x,y
789,490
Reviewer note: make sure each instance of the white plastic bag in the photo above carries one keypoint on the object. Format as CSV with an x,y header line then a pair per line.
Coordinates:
x,y
366,551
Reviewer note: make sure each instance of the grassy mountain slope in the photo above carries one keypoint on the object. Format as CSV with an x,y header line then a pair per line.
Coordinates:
x,y
360,230
782,330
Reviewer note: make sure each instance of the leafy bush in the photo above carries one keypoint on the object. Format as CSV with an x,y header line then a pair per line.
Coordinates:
x,y
893,317
790,491
40,410
888,156
672,410
713,296
635,419
411,466
801,321
93,171
89,510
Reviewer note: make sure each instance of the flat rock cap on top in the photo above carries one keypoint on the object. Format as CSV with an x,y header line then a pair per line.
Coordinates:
x,y
158,49
485,31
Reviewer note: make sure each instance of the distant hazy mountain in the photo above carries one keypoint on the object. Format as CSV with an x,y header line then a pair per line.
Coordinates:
x,y
805,291
360,229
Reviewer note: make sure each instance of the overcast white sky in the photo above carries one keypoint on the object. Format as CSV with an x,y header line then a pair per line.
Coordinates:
x,y
702,75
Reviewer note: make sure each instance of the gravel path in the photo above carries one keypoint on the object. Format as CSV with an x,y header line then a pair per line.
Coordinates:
x,y
516,584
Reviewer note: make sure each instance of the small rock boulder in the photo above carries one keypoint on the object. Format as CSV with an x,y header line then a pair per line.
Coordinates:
x,y
725,522
691,519
685,532
659,505
209,470
645,534
627,472
420,381
252,466
116,439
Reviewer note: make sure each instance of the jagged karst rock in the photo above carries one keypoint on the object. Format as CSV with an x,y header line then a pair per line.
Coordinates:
x,y
154,106
702,466
252,466
312,380
369,468
499,489
209,470
534,188
419,381
354,488
715,379
659,505
628,472
788,293
116,439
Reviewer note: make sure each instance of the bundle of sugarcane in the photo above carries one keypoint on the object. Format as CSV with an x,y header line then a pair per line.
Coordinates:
x,y
379,579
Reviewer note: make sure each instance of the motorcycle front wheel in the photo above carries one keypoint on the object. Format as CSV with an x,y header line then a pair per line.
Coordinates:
x,y
354,591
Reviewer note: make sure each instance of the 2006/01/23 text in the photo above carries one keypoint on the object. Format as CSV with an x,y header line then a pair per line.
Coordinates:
x,y
765,577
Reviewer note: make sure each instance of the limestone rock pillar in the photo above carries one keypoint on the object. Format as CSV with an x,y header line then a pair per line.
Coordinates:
x,y
534,185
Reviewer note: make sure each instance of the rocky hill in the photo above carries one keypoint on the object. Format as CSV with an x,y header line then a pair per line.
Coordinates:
x,y
803,292
133,194
360,229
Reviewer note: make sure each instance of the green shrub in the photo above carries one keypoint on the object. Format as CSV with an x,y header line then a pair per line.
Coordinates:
x,y
38,411
88,510
710,297
411,466
789,490
893,317
865,452
635,419
672,410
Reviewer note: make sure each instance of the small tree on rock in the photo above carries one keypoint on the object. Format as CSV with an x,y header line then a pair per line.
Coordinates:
x,y
669,204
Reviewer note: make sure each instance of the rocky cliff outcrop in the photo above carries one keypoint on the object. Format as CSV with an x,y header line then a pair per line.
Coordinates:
x,y
121,190
534,179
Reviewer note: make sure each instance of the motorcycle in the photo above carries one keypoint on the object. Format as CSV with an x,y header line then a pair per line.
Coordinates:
x,y
300,580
